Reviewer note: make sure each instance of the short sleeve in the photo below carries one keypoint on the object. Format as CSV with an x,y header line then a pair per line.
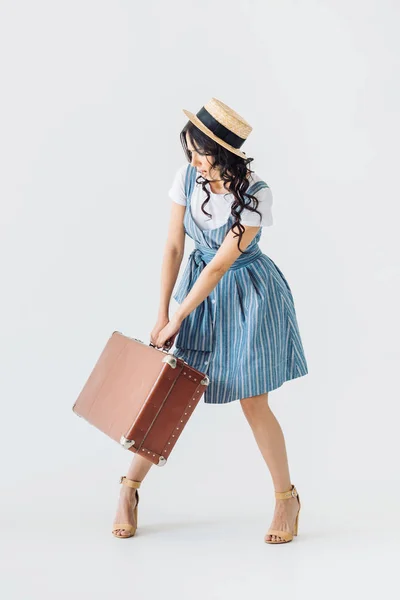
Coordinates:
x,y
264,197
177,190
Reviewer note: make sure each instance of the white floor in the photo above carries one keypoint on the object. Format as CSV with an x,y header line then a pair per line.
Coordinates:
x,y
196,545
203,516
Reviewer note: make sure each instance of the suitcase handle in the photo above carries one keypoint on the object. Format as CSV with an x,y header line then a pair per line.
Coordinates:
x,y
169,345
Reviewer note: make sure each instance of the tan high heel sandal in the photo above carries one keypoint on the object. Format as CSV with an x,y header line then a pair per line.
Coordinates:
x,y
286,535
128,526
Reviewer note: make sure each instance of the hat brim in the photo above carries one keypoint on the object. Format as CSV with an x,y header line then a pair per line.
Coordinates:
x,y
196,121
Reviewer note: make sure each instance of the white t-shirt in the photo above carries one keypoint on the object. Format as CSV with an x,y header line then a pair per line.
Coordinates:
x,y
219,205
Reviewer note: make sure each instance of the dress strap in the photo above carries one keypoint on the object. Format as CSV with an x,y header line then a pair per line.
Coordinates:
x,y
189,181
254,187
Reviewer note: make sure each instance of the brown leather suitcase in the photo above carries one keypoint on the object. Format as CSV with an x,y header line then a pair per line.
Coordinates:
x,y
140,396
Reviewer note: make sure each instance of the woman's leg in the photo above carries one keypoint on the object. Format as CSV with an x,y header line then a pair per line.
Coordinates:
x,y
271,442
138,470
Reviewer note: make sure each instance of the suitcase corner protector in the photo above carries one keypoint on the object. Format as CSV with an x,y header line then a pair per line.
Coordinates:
x,y
125,443
170,359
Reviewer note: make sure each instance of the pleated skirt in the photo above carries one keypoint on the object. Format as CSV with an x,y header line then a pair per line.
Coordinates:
x,y
256,344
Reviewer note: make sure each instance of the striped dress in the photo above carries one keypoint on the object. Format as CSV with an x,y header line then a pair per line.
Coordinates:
x,y
245,334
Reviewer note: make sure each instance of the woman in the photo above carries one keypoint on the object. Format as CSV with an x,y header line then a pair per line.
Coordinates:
x,y
236,319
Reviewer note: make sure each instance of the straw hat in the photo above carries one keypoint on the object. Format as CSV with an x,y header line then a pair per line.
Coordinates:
x,y
222,124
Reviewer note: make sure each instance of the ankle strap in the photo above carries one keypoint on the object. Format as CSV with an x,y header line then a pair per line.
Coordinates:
x,y
130,482
288,494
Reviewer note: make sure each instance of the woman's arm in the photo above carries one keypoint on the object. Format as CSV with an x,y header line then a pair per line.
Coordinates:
x,y
172,257
214,271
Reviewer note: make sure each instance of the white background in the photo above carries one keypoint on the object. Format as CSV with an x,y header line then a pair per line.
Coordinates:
x,y
91,109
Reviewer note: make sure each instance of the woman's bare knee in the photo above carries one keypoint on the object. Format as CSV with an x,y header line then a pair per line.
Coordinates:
x,y
253,403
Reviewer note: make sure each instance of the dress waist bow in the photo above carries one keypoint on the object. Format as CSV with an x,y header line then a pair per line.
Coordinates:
x,y
197,329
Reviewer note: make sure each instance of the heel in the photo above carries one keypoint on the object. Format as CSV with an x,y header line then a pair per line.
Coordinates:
x,y
296,525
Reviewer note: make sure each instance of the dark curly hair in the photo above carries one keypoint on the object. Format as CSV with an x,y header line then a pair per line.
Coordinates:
x,y
233,169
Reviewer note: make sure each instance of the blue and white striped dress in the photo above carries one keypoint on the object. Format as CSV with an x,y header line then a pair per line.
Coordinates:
x,y
245,334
